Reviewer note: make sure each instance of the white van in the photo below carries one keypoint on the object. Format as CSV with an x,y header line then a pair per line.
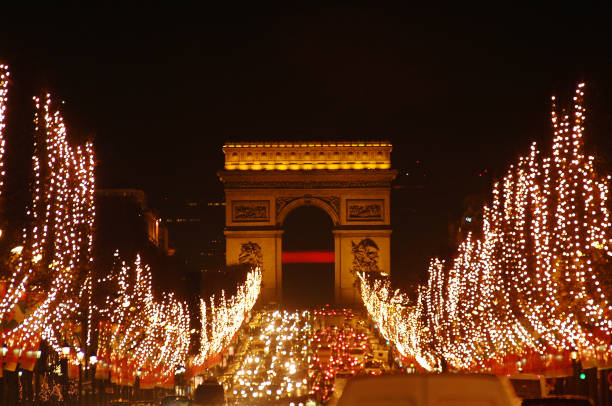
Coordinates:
x,y
429,390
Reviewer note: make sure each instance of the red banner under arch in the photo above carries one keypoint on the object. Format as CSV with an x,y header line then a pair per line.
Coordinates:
x,y
308,257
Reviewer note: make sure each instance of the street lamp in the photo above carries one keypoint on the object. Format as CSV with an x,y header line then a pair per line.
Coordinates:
x,y
179,378
80,356
37,372
137,391
64,368
576,367
4,386
92,362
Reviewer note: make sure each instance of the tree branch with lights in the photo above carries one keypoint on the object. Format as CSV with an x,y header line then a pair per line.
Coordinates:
x,y
532,289
139,335
221,319
55,258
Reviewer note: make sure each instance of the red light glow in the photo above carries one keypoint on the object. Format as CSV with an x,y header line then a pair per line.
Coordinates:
x,y
308,257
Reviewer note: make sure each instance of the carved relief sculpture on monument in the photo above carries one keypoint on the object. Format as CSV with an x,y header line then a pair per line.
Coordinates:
x,y
365,256
250,210
365,209
250,253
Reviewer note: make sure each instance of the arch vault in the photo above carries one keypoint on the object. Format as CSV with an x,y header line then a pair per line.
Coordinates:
x,y
350,181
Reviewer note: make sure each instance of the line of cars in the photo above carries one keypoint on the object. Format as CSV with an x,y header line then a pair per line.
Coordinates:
x,y
333,358
343,347
273,368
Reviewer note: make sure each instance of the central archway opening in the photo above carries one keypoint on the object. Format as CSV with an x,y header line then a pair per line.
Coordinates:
x,y
307,258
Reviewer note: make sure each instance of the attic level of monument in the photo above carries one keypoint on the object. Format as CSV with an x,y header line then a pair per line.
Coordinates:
x,y
307,156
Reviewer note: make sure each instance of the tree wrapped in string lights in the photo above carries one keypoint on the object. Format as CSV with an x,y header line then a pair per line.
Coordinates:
x,y
48,295
55,258
399,319
532,289
138,335
222,318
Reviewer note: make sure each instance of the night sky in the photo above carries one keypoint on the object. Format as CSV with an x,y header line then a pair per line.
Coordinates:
x,y
459,90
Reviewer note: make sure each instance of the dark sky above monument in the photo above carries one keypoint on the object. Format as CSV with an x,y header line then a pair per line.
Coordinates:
x,y
460,90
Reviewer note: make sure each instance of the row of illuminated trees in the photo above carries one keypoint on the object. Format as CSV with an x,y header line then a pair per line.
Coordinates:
x,y
52,292
532,293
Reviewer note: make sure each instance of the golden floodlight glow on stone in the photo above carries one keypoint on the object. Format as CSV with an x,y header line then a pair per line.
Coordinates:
x,y
284,156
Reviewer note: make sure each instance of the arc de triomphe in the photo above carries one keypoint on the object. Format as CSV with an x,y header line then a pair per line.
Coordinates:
x,y
350,181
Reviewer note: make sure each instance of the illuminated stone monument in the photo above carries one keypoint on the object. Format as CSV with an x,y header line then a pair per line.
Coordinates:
x,y
350,181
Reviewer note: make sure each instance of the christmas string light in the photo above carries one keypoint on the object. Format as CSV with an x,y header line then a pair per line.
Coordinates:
x,y
4,79
222,318
398,319
58,242
141,335
54,272
531,287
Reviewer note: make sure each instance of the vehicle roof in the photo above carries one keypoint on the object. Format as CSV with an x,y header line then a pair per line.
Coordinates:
x,y
558,400
427,390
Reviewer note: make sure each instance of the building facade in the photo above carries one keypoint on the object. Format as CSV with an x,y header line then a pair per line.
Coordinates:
x,y
154,228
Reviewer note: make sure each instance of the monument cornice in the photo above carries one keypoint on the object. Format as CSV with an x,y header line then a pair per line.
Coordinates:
x,y
312,179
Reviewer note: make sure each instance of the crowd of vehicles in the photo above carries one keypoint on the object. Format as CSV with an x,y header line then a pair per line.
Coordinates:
x,y
273,366
301,357
344,347
333,357
387,390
